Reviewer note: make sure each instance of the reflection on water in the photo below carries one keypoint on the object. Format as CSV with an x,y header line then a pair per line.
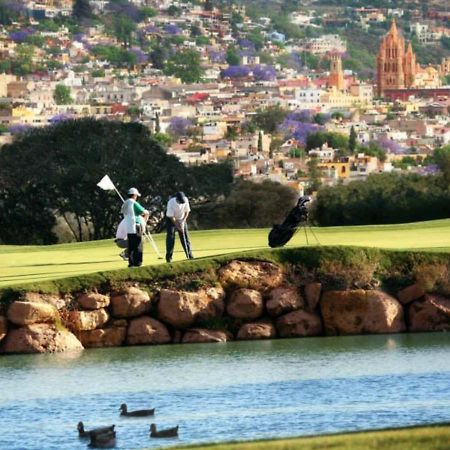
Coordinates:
x,y
216,392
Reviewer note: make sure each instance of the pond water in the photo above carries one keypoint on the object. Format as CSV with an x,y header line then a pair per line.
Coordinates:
x,y
218,392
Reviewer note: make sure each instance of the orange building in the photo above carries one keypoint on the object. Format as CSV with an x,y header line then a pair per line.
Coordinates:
x,y
336,78
396,68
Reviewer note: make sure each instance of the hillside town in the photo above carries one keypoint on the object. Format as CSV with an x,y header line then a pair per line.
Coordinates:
x,y
214,83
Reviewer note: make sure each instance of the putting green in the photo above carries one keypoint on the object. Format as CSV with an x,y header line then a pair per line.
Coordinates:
x,y
21,264
420,438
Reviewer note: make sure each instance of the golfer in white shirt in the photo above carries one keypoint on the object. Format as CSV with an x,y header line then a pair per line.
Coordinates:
x,y
178,210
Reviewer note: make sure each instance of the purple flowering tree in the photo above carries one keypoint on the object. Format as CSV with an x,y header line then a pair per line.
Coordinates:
x,y
59,118
217,56
21,36
178,126
172,29
126,8
141,57
292,128
18,129
390,145
295,61
236,72
264,73
301,115
246,44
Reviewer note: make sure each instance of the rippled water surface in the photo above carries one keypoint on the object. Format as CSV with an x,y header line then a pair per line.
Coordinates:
x,y
216,392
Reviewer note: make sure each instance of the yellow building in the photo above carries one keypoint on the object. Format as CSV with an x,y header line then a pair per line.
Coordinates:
x,y
427,77
336,170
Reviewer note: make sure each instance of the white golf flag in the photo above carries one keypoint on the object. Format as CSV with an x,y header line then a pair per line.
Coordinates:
x,y
106,184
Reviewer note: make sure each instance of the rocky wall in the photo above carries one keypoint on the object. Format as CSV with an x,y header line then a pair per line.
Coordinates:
x,y
250,301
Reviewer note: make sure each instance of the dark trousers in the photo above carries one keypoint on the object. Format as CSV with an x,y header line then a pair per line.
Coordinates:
x,y
170,240
135,248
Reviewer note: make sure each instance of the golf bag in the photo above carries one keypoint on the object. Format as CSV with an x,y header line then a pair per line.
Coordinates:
x,y
281,234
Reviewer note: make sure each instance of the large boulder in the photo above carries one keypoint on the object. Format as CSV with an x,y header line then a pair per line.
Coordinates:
x,y
245,304
87,320
282,300
131,302
93,300
430,314
312,295
60,302
360,311
183,309
256,330
103,337
40,338
3,327
200,335
299,324
251,274
410,293
145,330
27,313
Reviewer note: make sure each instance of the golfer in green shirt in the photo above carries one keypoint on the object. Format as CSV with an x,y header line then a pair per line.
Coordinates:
x,y
136,217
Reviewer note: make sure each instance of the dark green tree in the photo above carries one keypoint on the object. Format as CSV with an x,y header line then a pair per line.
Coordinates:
x,y
157,124
232,57
123,28
185,64
74,156
62,95
260,142
82,9
313,175
352,140
441,157
249,205
268,119
159,56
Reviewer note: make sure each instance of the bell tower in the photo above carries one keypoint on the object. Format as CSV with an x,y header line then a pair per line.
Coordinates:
x,y
336,78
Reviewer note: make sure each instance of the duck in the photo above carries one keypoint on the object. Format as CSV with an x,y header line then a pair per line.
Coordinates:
x,y
103,440
89,433
138,413
167,433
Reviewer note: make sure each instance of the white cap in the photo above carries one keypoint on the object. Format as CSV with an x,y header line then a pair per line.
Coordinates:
x,y
134,191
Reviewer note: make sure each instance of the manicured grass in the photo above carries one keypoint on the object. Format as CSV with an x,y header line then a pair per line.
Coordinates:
x,y
24,264
420,438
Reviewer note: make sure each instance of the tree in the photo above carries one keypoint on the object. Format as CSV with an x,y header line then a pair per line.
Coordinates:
x,y
157,124
232,57
62,95
352,140
82,9
123,28
313,175
173,10
75,154
441,157
249,205
185,64
268,119
260,142
159,56
383,198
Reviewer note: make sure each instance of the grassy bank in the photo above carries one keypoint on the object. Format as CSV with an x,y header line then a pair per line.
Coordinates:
x,y
419,438
35,264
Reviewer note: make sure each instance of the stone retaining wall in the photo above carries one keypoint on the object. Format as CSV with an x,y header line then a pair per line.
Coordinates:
x,y
251,300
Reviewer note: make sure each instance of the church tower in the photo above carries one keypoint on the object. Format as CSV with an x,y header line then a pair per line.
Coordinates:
x,y
410,67
390,61
336,78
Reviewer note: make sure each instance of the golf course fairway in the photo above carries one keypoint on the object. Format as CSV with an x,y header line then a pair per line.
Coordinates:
x,y
420,438
23,264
